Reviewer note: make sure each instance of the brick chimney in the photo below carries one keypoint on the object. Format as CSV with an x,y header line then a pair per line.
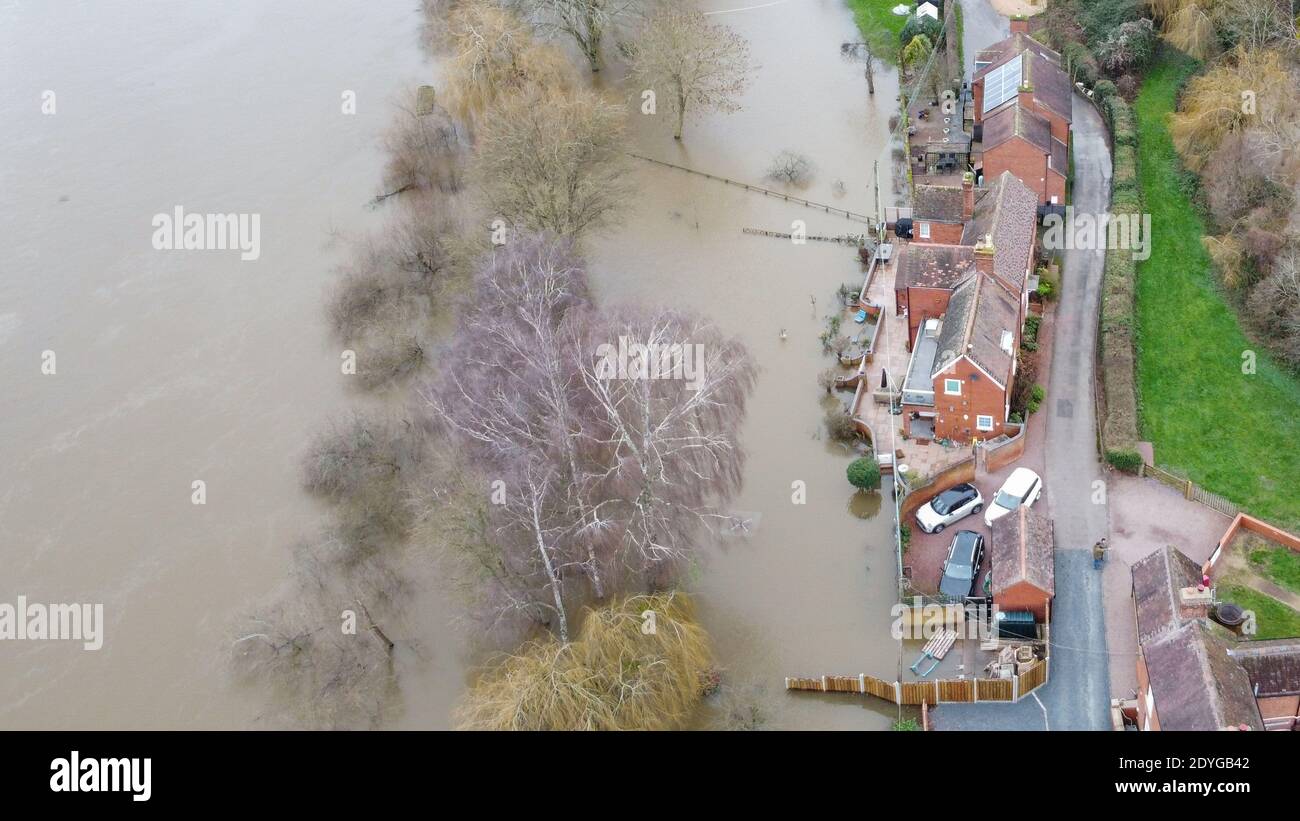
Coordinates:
x,y
984,255
1019,24
967,195
1025,97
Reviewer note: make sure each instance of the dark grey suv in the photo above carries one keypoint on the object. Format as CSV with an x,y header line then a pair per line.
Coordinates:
x,y
964,557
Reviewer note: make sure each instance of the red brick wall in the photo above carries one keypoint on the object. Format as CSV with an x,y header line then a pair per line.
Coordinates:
x,y
1024,160
1144,682
1279,707
955,415
923,304
1024,596
945,233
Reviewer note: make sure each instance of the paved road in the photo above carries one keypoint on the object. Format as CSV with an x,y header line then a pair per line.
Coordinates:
x,y
1078,695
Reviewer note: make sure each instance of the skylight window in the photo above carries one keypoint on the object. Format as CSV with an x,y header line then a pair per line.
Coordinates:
x,y
1002,83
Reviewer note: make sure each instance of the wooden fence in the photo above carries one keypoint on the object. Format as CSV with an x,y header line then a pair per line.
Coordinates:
x,y
767,192
938,691
1190,489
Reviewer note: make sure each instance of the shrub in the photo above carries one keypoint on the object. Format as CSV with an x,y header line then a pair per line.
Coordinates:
x,y
864,473
1128,461
840,426
1104,89
906,725
927,26
1036,396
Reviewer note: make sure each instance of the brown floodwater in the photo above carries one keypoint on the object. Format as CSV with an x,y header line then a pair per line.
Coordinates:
x,y
177,366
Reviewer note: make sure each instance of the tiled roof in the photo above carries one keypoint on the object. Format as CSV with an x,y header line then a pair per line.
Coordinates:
x,y
1009,47
1273,666
978,314
1157,580
1021,549
1048,82
1007,214
937,202
923,265
1196,684
1014,121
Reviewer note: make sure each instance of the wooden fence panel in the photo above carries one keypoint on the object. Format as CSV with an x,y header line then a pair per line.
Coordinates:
x,y
1032,679
918,692
993,689
842,684
881,689
957,690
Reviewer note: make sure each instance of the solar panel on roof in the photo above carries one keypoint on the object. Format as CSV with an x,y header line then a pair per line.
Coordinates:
x,y
1002,83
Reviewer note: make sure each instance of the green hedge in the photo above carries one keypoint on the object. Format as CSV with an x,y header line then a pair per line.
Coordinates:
x,y
1119,427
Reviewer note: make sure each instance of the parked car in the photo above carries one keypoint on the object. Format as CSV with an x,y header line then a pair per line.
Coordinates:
x,y
1022,487
963,563
950,506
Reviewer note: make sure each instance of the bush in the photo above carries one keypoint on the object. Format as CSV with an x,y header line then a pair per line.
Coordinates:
x,y
864,473
840,426
906,725
928,26
1036,396
1128,461
1104,89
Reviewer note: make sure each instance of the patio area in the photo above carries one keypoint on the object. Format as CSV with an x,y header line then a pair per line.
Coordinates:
x,y
891,358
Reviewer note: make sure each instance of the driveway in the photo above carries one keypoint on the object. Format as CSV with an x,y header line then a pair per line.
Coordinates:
x,y
1078,695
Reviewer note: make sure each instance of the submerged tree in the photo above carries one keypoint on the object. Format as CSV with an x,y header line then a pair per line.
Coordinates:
x,y
494,55
638,664
602,477
689,63
585,21
554,162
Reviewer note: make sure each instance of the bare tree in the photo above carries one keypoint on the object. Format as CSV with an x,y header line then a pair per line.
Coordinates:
x,y
554,162
586,21
863,54
604,481
425,150
791,167
690,63
672,450
495,54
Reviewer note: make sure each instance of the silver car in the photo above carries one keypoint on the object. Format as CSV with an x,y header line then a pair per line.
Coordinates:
x,y
949,506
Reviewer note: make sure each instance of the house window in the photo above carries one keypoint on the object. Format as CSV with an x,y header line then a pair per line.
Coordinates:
x,y
952,387
983,422
925,230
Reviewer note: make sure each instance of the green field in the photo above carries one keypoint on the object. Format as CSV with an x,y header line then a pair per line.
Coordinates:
x,y
1232,433
879,26
1273,620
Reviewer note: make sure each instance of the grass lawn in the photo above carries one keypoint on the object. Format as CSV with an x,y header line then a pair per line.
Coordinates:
x,y
1273,620
879,26
1279,564
1232,433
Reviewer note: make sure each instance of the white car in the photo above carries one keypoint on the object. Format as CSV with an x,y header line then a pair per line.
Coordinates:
x,y
948,507
1022,487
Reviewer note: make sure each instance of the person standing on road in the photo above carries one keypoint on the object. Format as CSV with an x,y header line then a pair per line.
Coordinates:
x,y
1099,553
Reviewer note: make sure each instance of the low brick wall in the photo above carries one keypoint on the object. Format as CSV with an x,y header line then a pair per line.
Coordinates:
x,y
963,471
1244,521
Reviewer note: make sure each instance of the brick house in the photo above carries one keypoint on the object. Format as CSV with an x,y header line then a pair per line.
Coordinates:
x,y
1021,71
1021,142
1022,554
1187,676
940,212
1018,42
1003,230
926,277
959,377
1274,671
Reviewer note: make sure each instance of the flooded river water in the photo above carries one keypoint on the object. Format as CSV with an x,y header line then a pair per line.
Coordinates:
x,y
184,366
